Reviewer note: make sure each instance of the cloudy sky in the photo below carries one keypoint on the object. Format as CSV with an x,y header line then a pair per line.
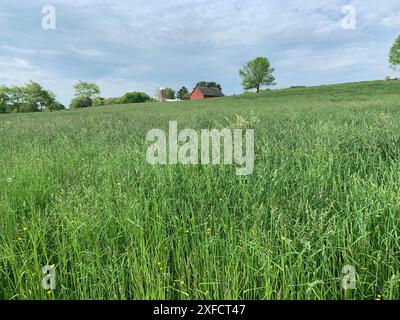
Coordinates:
x,y
140,45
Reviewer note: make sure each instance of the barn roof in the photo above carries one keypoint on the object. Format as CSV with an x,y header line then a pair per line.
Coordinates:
x,y
211,92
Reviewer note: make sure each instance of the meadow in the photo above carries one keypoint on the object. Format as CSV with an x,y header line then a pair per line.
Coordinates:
x,y
76,192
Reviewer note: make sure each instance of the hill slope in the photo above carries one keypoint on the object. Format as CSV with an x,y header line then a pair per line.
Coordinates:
x,y
77,192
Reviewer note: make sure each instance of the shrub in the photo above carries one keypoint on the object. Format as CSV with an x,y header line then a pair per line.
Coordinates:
x,y
55,106
81,102
296,87
3,107
99,101
3,100
111,101
135,97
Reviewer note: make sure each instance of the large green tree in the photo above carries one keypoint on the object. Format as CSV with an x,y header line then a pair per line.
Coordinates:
x,y
86,90
257,73
171,94
84,94
183,94
31,97
394,54
17,99
37,98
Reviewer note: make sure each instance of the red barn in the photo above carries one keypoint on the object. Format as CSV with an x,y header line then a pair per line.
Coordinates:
x,y
200,93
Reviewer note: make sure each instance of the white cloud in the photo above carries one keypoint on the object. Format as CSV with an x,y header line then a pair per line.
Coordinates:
x,y
392,19
18,71
87,53
27,51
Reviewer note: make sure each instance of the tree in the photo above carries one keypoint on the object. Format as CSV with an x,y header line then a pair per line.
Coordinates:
x,y
134,97
394,54
183,94
36,98
170,93
81,102
54,105
257,73
211,84
86,90
31,97
16,99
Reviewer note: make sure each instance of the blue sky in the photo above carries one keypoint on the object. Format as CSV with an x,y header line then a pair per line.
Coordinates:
x,y
140,45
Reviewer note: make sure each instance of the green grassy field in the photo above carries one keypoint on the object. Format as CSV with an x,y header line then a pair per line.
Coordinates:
x,y
76,191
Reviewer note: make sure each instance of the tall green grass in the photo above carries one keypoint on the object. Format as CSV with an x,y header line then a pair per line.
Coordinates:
x,y
76,191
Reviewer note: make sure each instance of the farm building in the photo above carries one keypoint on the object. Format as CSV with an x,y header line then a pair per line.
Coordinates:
x,y
200,93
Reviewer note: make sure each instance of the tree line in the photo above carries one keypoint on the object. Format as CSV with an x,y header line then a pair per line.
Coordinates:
x,y
88,95
31,97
